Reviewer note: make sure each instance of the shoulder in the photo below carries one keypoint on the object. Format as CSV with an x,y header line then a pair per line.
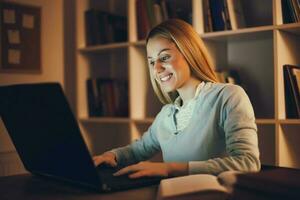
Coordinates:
x,y
222,96
221,91
222,88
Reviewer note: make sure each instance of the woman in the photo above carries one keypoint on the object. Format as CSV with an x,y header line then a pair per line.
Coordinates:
x,y
207,127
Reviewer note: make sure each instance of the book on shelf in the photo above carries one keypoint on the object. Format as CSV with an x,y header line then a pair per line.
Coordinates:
x,y
103,27
207,16
217,14
226,16
290,11
197,186
143,23
107,97
291,75
152,12
236,14
296,7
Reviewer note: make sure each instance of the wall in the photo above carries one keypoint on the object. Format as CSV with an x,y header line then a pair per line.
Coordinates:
x,y
52,53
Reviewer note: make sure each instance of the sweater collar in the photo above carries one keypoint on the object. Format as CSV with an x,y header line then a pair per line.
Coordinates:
x,y
178,100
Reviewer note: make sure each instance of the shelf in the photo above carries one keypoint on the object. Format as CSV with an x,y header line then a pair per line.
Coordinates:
x,y
222,35
290,121
139,43
144,121
236,34
293,28
105,120
257,52
104,47
265,121
239,31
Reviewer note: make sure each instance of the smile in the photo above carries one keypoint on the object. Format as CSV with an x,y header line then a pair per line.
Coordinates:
x,y
166,78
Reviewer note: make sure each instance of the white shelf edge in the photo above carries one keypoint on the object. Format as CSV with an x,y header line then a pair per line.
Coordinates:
x,y
289,121
265,121
237,32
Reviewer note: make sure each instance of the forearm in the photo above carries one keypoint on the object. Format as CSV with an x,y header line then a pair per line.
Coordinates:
x,y
245,163
177,169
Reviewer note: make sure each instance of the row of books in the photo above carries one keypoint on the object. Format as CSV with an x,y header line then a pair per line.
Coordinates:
x,y
290,11
291,75
220,15
107,97
104,27
152,12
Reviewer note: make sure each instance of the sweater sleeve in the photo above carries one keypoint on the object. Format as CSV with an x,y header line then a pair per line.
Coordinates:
x,y
139,150
238,123
142,149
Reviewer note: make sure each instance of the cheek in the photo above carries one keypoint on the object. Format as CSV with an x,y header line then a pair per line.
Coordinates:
x,y
182,68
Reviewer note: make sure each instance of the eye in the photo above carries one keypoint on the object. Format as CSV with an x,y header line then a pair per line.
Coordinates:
x,y
165,58
151,63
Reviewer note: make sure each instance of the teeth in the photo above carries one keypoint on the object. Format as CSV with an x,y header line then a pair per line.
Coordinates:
x,y
166,78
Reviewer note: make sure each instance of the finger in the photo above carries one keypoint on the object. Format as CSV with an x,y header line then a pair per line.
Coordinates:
x,y
112,163
139,174
98,161
101,160
125,170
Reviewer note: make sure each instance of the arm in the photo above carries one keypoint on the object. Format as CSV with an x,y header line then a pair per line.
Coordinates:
x,y
141,149
238,123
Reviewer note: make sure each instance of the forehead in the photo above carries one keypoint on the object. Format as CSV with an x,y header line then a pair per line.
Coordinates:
x,y
156,44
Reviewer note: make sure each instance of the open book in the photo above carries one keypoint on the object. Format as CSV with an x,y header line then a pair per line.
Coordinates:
x,y
198,186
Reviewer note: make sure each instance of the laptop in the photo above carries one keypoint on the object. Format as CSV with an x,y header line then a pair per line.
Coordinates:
x,y
48,140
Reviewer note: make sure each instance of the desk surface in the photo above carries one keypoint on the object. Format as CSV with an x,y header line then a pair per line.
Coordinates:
x,y
31,187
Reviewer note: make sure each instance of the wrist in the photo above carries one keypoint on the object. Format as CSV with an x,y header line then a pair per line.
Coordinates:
x,y
177,169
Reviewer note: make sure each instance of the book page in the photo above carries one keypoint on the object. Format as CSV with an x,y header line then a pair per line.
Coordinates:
x,y
192,185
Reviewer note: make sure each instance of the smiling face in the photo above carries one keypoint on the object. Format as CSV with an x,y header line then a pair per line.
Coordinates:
x,y
167,65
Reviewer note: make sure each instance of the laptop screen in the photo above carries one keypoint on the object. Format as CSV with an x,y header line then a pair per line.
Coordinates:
x,y
45,132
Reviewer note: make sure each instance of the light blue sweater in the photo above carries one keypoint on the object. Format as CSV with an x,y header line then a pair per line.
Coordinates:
x,y
221,135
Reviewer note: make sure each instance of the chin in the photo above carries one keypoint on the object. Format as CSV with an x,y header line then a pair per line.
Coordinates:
x,y
168,88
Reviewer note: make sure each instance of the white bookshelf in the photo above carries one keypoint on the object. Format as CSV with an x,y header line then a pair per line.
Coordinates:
x,y
257,52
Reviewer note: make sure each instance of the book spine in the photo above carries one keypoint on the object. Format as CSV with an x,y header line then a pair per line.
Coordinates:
x,y
142,19
150,12
216,7
291,94
286,12
226,16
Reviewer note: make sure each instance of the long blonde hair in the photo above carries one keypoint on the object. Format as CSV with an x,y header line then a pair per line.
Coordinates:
x,y
191,47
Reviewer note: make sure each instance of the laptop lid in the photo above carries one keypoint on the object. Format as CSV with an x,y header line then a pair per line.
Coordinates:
x,y
45,132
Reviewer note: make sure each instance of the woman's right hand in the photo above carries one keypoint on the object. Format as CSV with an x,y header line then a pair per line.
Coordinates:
x,y
108,158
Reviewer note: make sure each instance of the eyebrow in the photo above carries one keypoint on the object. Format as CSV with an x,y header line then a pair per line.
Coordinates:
x,y
165,49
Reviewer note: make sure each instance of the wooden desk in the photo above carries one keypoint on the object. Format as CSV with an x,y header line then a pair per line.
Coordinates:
x,y
27,187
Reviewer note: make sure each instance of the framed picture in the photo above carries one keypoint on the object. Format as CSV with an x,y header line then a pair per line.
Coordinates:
x,y
20,28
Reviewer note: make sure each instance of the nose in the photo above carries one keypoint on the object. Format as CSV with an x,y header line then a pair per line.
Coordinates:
x,y
158,67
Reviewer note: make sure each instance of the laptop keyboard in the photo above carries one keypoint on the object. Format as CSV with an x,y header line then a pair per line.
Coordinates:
x,y
112,183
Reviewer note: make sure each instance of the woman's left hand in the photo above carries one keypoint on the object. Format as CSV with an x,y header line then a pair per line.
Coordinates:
x,y
145,169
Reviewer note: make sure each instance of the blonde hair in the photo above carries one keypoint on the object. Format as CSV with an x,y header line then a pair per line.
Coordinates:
x,y
191,47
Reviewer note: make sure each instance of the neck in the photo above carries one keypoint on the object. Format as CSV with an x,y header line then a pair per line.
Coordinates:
x,y
188,90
